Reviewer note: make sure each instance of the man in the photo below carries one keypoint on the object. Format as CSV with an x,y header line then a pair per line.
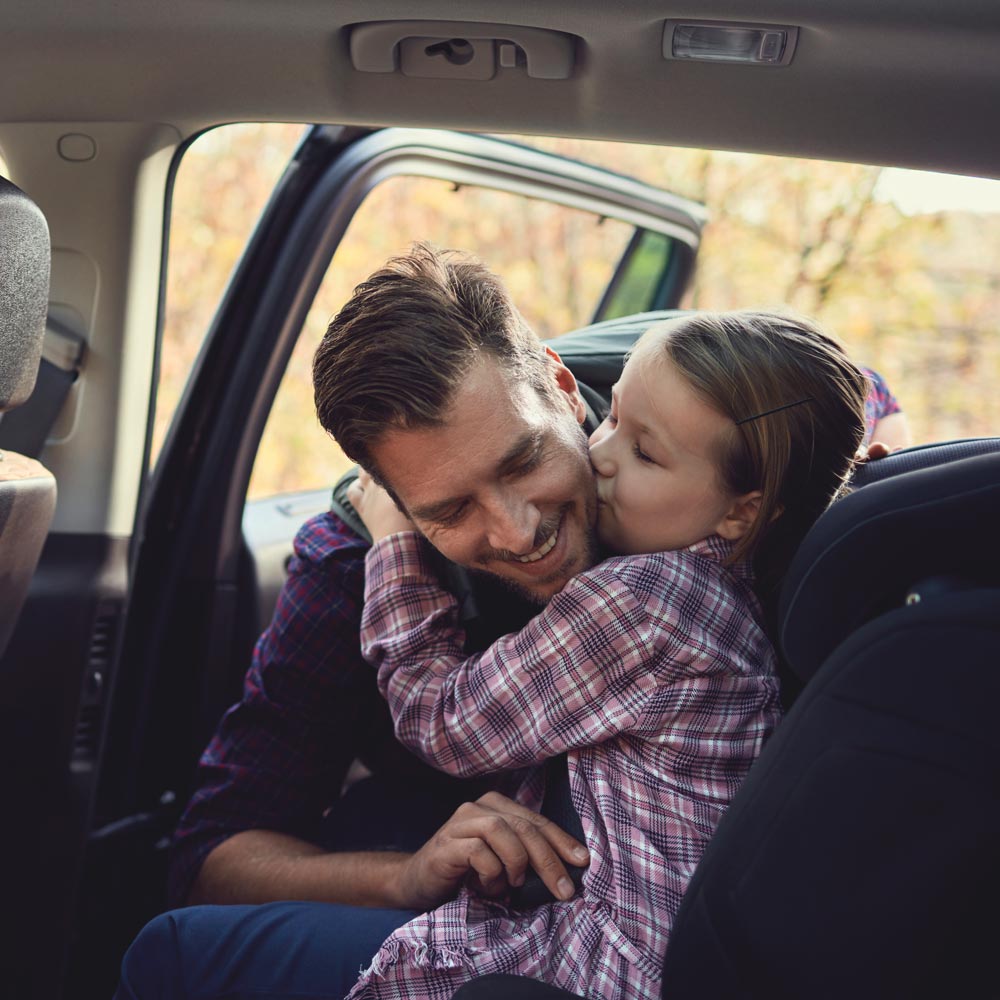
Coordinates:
x,y
430,379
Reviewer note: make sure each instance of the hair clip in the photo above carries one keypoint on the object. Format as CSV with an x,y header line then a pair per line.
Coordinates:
x,y
777,409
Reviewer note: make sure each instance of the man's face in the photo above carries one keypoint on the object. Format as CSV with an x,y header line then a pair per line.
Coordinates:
x,y
504,485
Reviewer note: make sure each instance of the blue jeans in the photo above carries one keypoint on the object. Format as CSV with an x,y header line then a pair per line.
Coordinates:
x,y
308,950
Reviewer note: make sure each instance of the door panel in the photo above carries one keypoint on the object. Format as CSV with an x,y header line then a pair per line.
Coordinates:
x,y
55,677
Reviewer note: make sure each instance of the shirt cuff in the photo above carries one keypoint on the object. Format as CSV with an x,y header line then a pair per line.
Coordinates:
x,y
404,555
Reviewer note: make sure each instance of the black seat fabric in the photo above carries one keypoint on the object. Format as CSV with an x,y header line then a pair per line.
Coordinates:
x,y
859,857
923,456
505,987
27,489
867,549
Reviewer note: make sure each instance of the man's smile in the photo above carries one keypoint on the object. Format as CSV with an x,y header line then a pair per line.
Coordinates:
x,y
543,550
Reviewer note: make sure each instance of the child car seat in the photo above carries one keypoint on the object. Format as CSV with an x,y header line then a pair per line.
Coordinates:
x,y
859,857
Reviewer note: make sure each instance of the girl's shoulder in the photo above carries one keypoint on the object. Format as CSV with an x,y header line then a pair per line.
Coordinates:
x,y
701,612
700,565
708,556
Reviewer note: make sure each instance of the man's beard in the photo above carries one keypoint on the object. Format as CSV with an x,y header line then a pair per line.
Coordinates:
x,y
592,555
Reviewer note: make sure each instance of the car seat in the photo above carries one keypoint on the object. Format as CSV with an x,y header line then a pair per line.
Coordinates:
x,y
859,857
27,489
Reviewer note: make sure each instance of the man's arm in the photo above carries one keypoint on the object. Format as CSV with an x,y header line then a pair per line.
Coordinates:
x,y
490,843
261,866
280,755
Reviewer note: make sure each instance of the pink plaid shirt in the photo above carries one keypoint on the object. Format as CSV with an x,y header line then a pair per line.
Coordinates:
x,y
653,673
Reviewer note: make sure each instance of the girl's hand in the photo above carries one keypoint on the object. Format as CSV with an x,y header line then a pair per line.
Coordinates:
x,y
376,508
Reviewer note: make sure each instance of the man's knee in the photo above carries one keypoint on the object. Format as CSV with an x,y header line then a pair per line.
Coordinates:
x,y
151,966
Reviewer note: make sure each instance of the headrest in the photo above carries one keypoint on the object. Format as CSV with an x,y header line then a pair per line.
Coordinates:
x,y
922,456
25,258
868,549
595,353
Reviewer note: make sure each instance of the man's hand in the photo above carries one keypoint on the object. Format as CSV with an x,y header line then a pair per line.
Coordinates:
x,y
376,508
489,845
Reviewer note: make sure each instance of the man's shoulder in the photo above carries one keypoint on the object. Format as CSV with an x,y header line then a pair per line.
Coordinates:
x,y
326,536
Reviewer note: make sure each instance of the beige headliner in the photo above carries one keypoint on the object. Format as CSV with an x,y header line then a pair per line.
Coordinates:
x,y
912,82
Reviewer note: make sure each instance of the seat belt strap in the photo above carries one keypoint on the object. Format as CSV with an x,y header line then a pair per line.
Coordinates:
x,y
26,429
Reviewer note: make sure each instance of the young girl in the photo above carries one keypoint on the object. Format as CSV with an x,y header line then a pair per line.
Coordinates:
x,y
728,435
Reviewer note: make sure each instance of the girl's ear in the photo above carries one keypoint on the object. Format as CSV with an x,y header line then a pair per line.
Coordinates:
x,y
741,517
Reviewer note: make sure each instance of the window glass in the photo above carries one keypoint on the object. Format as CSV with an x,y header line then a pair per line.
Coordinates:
x,y
640,277
222,185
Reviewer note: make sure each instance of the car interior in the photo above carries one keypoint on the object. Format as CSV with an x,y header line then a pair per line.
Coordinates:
x,y
137,572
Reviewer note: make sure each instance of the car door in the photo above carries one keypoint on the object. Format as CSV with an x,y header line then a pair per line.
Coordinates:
x,y
206,563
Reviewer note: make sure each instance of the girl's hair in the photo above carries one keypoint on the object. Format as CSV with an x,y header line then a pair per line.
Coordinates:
x,y
797,405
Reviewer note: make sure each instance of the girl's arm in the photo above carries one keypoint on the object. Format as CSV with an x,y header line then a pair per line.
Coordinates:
x,y
579,673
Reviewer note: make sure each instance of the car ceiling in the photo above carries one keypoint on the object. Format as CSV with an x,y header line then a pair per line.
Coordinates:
x,y
911,82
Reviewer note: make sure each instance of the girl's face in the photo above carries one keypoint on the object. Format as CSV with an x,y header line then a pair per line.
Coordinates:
x,y
658,485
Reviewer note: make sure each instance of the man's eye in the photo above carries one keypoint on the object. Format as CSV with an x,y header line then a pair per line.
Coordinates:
x,y
526,465
451,517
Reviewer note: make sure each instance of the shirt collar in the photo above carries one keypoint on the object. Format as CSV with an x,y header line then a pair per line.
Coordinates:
x,y
719,549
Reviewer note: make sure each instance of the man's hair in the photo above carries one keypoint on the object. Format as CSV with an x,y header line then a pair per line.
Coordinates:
x,y
393,357
797,403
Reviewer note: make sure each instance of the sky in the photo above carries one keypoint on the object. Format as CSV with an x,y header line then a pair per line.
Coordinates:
x,y
917,191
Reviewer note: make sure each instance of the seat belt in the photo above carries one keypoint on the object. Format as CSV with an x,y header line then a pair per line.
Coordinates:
x,y
26,429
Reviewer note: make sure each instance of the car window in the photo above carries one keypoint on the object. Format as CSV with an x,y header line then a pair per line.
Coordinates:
x,y
907,277
221,186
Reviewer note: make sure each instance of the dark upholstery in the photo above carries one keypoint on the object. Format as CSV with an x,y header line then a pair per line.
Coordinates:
x,y
923,456
27,489
867,549
500,987
859,857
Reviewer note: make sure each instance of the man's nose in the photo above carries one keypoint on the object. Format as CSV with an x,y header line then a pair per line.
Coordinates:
x,y
512,523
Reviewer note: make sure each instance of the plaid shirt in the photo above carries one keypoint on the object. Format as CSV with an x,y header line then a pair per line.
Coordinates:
x,y
280,754
653,673
879,403
309,707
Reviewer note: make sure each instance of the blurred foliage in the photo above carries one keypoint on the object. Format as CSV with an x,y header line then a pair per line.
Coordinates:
x,y
914,296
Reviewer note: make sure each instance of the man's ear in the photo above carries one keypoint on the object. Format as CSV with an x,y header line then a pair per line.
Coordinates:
x,y
566,383
740,517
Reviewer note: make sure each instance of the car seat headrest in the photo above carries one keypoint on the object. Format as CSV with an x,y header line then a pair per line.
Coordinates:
x,y
25,258
868,549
